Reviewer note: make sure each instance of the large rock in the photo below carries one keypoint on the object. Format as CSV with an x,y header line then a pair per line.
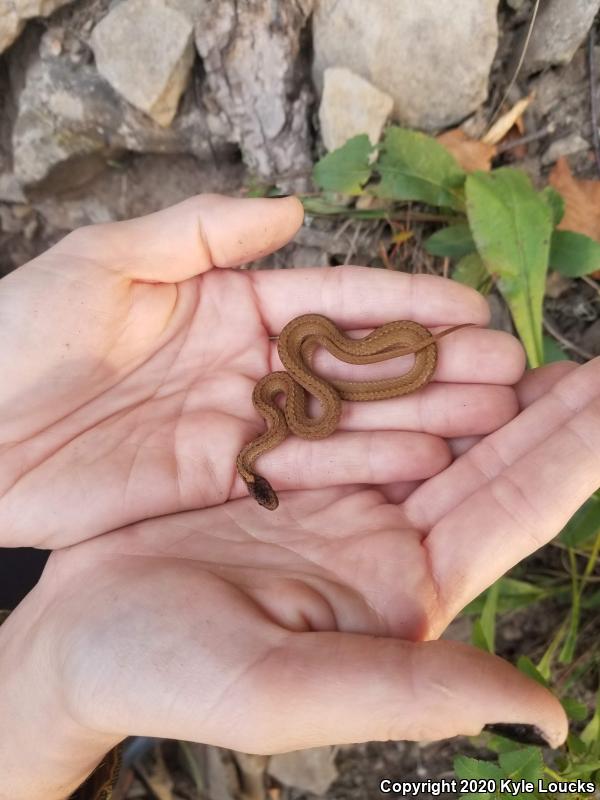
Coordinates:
x,y
433,56
560,28
256,81
15,13
351,105
144,49
69,121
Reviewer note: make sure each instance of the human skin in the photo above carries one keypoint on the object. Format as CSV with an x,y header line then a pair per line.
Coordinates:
x,y
269,631
123,346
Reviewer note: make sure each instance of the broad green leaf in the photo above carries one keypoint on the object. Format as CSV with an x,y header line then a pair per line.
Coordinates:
x,y
553,351
575,709
575,745
471,271
574,254
526,763
527,667
346,169
555,203
455,241
467,768
583,771
414,166
512,225
584,524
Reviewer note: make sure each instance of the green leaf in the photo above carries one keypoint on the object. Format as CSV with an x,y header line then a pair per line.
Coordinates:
x,y
553,351
574,254
455,241
590,735
574,708
527,667
346,169
512,225
467,768
555,203
414,166
584,524
488,616
575,745
471,271
567,653
526,763
513,594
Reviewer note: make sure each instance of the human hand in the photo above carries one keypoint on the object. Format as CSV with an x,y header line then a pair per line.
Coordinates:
x,y
130,396
271,632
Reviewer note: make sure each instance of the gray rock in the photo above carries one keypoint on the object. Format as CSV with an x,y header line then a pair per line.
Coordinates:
x,y
69,121
310,770
256,85
433,57
565,147
559,30
351,105
15,13
145,51
10,189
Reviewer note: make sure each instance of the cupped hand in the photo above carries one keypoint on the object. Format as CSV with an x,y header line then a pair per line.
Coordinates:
x,y
268,632
130,352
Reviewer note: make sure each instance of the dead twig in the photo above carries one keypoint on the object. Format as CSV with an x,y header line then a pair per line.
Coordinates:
x,y
593,100
519,65
591,282
352,248
530,137
567,343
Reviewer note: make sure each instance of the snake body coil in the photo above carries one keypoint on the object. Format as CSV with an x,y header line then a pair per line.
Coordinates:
x,y
297,343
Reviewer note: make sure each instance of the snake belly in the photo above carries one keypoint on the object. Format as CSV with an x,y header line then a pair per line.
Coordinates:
x,y
297,342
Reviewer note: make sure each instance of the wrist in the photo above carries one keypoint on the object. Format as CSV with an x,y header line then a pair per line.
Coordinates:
x,y
44,752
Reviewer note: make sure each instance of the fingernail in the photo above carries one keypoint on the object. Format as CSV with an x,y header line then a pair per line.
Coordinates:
x,y
518,732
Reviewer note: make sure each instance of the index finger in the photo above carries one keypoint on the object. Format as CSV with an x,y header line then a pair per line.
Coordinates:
x,y
363,297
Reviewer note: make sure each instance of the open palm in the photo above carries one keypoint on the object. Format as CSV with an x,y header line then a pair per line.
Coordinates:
x,y
131,392
273,631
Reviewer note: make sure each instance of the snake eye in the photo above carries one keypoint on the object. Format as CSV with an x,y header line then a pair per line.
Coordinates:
x,y
262,491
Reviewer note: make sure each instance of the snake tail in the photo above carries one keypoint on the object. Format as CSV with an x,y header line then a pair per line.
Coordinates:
x,y
262,491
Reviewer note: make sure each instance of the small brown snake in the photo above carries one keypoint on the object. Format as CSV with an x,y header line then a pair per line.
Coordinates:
x,y
297,343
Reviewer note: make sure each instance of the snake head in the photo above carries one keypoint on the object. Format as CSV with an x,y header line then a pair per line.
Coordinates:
x,y
262,491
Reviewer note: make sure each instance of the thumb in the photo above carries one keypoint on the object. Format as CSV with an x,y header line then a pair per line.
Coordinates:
x,y
182,241
331,688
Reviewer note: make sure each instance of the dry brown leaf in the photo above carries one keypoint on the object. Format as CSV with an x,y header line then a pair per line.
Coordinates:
x,y
582,200
504,123
469,153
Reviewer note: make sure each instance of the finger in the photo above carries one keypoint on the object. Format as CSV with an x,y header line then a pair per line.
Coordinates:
x,y
184,240
348,458
440,409
540,470
529,429
470,355
374,689
360,297
536,382
398,491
